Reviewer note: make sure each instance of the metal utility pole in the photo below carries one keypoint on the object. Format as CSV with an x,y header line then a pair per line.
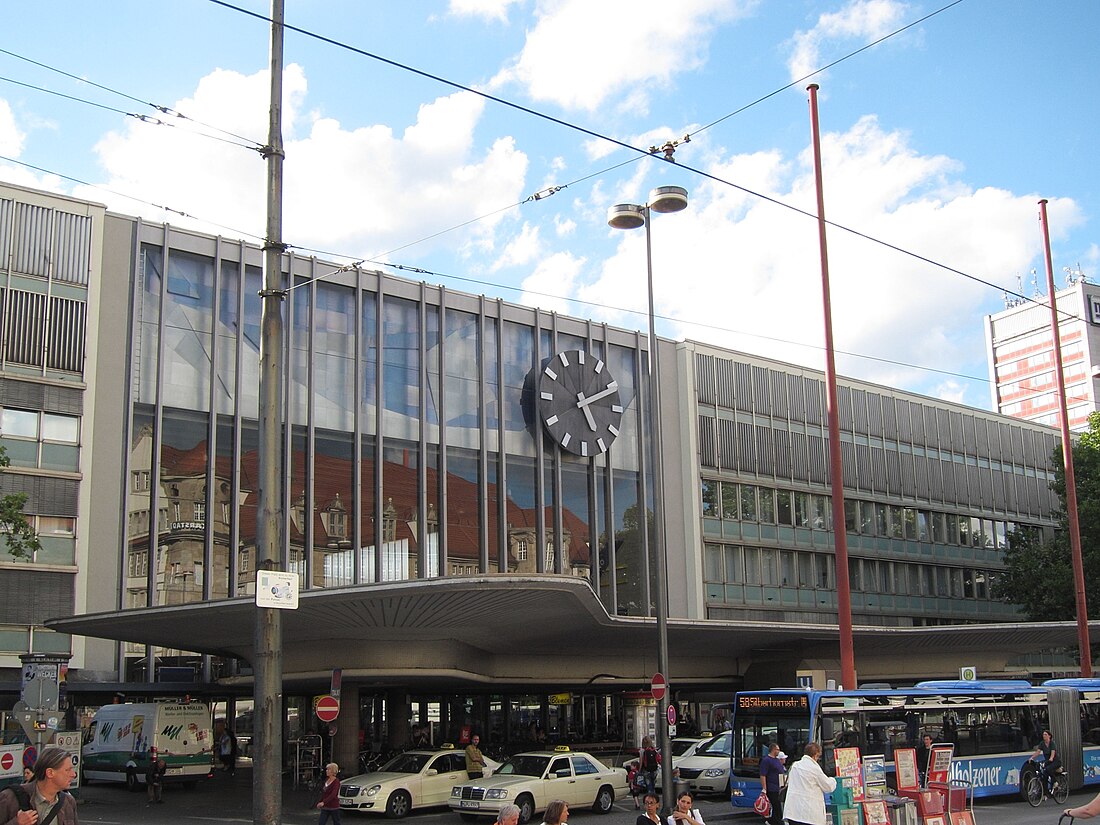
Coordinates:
x,y
836,478
267,661
1067,456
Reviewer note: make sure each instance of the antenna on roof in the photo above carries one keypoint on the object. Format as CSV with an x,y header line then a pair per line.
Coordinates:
x,y
1074,275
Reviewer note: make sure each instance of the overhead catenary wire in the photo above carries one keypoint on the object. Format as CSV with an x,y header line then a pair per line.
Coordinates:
x,y
166,110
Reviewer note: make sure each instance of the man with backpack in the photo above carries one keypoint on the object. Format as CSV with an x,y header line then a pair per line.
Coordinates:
x,y
45,800
651,763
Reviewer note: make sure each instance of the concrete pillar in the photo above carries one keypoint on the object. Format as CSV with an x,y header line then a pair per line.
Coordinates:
x,y
397,718
345,745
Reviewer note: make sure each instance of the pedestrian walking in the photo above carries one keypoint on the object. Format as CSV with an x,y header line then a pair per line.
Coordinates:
x,y
46,796
807,785
330,796
154,779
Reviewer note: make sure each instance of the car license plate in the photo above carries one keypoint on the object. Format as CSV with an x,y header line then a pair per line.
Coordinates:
x,y
173,772
467,803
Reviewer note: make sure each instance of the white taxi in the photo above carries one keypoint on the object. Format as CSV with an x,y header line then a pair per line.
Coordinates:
x,y
414,779
708,769
531,780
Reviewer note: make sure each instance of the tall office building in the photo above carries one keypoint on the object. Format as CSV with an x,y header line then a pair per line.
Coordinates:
x,y
1020,351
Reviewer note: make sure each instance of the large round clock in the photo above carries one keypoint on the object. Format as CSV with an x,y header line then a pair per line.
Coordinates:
x,y
579,402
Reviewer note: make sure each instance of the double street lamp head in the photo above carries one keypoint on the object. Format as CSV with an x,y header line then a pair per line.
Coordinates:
x,y
662,199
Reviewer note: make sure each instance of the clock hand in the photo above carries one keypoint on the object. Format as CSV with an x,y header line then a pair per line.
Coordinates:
x,y
584,402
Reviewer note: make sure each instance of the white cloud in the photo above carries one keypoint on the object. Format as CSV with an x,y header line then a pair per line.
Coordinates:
x,y
11,138
358,191
553,279
570,60
741,272
487,9
521,250
860,19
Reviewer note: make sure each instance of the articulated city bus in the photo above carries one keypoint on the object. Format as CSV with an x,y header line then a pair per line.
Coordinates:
x,y
994,726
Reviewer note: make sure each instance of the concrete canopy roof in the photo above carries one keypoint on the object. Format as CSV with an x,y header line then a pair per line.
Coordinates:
x,y
511,629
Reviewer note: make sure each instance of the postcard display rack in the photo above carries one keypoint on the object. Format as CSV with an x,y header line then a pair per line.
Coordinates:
x,y
942,801
861,796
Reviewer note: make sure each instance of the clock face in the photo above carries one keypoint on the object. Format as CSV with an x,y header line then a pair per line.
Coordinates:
x,y
580,403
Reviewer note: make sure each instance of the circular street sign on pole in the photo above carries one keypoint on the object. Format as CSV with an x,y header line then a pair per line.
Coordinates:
x,y
657,686
672,716
328,709
7,761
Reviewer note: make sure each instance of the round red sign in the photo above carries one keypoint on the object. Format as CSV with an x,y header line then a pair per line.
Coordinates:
x,y
328,708
657,686
6,761
672,715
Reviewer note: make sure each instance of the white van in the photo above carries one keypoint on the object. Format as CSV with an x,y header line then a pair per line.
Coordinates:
x,y
123,738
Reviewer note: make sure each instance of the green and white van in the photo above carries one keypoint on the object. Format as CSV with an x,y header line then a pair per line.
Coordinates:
x,y
123,738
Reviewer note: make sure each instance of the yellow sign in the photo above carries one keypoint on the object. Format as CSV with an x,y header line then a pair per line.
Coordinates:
x,y
561,698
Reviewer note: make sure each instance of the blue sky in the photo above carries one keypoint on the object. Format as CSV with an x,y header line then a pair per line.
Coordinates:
x,y
939,140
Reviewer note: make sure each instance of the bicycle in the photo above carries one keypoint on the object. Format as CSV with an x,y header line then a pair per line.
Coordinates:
x,y
1040,784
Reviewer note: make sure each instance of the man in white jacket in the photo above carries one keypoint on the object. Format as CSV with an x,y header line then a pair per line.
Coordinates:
x,y
807,785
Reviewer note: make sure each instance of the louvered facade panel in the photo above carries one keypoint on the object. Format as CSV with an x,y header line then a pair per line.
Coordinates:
x,y
708,455
849,471
889,416
1016,444
962,494
796,397
920,477
746,448
943,430
65,347
1011,502
864,479
950,494
958,442
901,410
844,406
859,411
761,397
969,436
30,252
727,444
7,213
781,445
725,383
23,324
908,479
878,470
816,453
874,414
893,472
45,496
815,401
799,469
743,384
765,451
74,247
935,478
704,378
916,420
778,383
53,596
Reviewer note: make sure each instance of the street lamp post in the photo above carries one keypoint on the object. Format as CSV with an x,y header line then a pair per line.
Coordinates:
x,y
663,199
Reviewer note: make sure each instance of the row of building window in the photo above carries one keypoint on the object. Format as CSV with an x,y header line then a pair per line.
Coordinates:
x,y
750,502
770,567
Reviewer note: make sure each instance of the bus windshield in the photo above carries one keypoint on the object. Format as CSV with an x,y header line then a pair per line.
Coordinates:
x,y
761,719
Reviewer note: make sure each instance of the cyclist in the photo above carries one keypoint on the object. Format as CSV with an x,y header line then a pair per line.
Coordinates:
x,y
1050,764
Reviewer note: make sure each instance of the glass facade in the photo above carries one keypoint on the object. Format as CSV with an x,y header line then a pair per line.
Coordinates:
x,y
414,448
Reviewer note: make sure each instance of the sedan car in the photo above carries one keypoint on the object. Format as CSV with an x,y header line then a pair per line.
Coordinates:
x,y
414,779
532,780
708,769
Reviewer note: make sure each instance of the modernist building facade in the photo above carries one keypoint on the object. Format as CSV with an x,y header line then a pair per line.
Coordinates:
x,y
428,441
1020,352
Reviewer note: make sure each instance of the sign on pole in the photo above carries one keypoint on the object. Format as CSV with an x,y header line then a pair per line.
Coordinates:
x,y
328,709
658,686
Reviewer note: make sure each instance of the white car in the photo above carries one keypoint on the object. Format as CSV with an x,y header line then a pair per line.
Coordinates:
x,y
414,779
708,769
532,780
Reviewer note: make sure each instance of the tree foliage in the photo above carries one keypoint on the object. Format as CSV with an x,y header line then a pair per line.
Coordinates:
x,y
18,536
1039,575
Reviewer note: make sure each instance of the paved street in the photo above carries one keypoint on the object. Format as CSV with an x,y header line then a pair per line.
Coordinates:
x,y
226,799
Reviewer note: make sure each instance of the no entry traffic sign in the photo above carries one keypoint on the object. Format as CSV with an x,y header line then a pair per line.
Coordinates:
x,y
328,709
657,686
7,760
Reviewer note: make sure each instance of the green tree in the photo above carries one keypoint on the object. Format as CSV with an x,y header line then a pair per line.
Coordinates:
x,y
1039,575
19,537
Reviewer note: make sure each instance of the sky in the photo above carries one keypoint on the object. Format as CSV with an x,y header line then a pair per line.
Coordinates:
x,y
938,140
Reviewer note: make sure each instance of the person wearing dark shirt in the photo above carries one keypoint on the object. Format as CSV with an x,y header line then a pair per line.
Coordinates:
x,y
924,753
771,769
650,816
